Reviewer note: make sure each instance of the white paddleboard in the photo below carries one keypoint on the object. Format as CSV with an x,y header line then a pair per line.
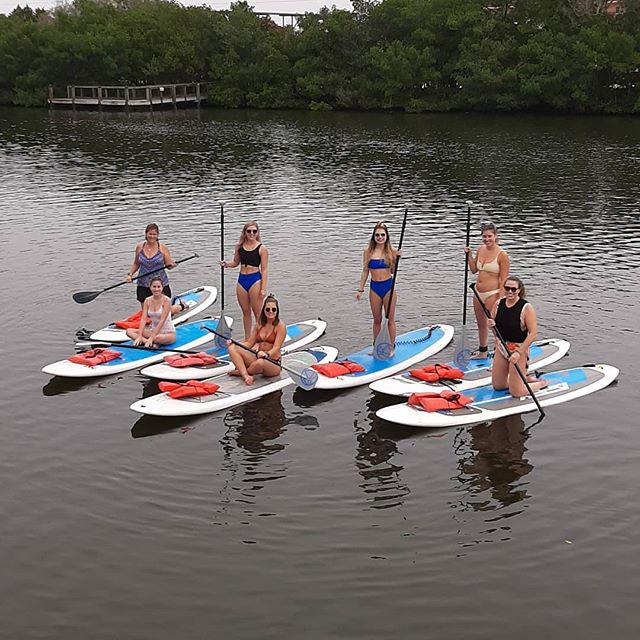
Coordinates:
x,y
298,335
489,404
477,373
188,336
233,390
197,300
411,347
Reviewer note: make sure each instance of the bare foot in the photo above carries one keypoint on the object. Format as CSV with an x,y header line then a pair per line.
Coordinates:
x,y
235,372
248,379
540,384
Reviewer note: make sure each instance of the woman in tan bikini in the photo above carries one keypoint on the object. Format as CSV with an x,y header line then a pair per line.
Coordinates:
x,y
267,339
491,263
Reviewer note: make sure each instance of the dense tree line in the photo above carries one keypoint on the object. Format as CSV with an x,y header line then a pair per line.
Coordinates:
x,y
412,55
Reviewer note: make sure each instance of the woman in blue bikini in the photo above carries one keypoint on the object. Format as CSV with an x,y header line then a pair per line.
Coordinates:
x,y
379,260
253,258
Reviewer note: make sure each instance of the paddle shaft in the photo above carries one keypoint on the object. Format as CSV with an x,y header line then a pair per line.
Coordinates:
x,y
395,267
221,256
466,268
132,346
522,375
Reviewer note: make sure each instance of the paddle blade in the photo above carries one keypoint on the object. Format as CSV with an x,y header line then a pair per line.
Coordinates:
x,y
81,297
463,353
382,347
305,377
224,330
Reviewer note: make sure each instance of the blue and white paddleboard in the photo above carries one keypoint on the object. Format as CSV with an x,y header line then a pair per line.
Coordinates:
x,y
476,374
197,300
411,347
188,336
233,391
298,335
489,404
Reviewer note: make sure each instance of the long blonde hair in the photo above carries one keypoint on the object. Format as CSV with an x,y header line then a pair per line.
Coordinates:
x,y
243,233
388,250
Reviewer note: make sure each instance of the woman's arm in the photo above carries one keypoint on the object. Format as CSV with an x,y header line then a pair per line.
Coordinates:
x,y
230,264
143,323
168,260
531,323
264,269
504,264
364,274
135,265
471,260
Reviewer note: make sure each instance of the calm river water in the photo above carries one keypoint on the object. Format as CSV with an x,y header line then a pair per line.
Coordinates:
x,y
303,516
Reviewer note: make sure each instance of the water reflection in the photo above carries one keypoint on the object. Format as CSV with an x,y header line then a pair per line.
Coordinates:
x,y
491,465
60,386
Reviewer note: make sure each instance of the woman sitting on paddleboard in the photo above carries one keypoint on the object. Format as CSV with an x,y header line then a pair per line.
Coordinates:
x,y
379,259
267,338
151,255
515,319
491,263
253,258
156,308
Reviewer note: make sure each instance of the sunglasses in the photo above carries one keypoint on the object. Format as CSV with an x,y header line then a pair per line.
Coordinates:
x,y
511,289
252,231
271,309
380,235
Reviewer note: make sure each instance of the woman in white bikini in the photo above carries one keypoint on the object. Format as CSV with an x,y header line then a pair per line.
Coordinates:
x,y
156,308
491,263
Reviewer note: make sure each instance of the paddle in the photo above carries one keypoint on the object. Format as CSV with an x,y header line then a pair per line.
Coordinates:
x,y
224,328
306,378
463,353
123,345
382,347
523,376
87,296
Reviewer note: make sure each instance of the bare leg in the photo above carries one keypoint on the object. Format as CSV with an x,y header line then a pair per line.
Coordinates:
x,y
237,357
392,317
500,371
245,305
255,299
376,309
481,320
265,368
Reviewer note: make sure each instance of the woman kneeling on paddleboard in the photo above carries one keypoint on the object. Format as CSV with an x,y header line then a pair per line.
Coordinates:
x,y
152,255
379,259
491,263
156,308
514,318
266,339
253,258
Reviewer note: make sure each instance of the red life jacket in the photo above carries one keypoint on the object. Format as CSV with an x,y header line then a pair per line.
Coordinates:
x,y
132,322
180,360
95,356
335,369
437,373
439,401
188,389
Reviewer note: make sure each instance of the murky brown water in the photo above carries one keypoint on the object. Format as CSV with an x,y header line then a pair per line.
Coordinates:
x,y
302,516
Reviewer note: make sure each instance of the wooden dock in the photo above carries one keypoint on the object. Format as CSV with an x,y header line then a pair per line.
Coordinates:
x,y
147,97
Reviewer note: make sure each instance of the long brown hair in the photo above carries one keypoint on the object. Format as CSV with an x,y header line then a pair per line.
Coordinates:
x,y
521,290
243,233
388,251
262,319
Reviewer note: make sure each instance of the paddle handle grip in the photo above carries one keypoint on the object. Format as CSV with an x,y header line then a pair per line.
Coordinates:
x,y
523,376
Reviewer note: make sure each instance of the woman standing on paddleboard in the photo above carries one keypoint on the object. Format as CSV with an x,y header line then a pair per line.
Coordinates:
x,y
157,308
491,263
253,258
151,255
266,339
379,259
514,318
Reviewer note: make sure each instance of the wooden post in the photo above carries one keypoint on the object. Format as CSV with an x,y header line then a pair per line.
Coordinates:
x,y
100,98
126,98
50,96
73,97
148,94
173,97
198,93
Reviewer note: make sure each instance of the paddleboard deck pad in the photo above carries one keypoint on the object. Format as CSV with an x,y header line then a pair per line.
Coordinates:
x,y
233,390
476,374
488,404
298,335
197,300
188,336
411,347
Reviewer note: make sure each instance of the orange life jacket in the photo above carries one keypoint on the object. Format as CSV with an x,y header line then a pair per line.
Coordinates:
x,y
439,401
132,322
335,369
436,373
95,356
180,360
189,389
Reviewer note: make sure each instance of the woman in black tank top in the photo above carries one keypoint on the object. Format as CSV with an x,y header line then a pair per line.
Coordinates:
x,y
514,318
253,258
